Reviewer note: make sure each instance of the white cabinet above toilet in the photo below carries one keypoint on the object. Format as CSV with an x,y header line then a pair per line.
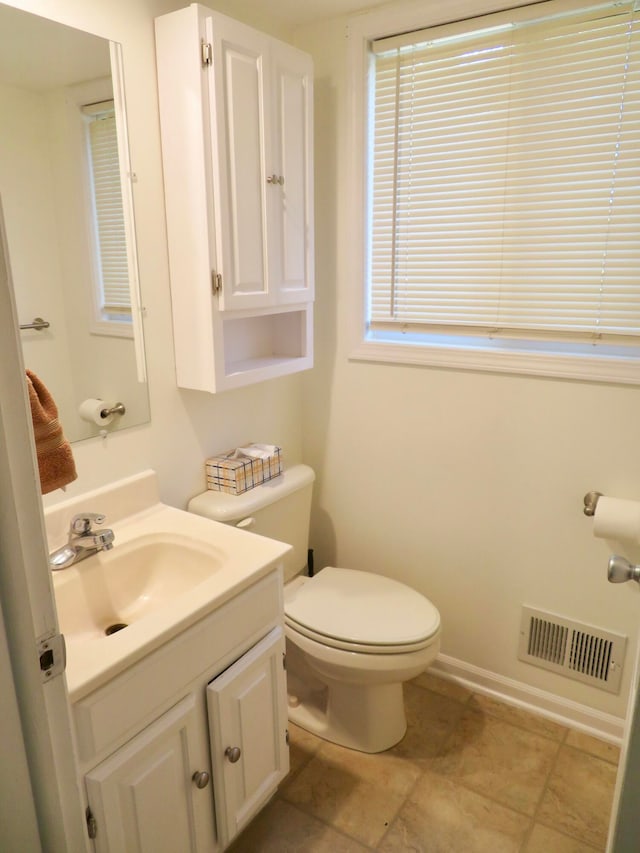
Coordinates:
x,y
236,123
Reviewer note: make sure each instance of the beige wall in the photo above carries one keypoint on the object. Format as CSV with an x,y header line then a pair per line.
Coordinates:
x,y
185,426
466,485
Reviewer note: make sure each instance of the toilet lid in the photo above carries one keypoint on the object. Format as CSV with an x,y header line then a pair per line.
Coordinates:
x,y
363,608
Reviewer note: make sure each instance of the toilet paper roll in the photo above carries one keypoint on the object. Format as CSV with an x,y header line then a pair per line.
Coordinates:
x,y
91,411
617,519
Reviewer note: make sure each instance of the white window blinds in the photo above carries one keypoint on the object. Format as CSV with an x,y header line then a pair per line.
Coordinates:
x,y
505,179
108,211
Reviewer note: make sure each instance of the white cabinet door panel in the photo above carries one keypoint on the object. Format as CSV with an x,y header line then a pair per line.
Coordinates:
x,y
291,224
143,797
247,712
241,98
245,178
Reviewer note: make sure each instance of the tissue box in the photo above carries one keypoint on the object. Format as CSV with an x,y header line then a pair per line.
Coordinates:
x,y
237,475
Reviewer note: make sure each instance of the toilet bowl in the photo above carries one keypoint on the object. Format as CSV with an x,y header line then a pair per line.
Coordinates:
x,y
353,637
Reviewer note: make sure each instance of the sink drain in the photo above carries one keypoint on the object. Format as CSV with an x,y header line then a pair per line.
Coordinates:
x,y
113,629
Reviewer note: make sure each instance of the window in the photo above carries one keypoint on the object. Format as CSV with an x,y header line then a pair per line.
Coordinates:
x,y
113,299
503,192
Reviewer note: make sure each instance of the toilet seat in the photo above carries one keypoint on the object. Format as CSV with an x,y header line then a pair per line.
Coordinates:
x,y
363,648
361,612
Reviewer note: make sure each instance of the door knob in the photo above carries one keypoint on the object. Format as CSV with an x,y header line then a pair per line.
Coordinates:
x,y
201,778
233,753
621,570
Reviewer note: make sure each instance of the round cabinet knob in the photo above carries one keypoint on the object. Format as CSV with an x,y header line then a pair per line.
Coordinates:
x,y
201,778
233,753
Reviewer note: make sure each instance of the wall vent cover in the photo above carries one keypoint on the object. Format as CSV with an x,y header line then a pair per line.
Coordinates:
x,y
578,651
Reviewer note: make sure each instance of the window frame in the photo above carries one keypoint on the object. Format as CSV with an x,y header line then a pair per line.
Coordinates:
x,y
615,364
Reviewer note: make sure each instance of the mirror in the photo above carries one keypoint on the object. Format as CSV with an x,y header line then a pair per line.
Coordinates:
x,y
69,218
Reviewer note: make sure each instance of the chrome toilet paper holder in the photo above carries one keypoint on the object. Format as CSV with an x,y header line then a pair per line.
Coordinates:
x,y
117,409
591,502
619,569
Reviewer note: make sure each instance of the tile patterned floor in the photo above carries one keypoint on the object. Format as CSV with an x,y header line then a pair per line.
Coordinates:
x,y
472,775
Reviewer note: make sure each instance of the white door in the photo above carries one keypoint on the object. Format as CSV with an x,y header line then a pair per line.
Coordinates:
x,y
154,794
624,831
248,730
18,819
29,613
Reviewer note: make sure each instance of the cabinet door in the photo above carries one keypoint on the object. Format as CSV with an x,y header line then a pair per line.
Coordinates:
x,y
144,798
261,127
239,108
248,729
290,200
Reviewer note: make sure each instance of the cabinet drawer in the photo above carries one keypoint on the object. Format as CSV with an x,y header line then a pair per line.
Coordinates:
x,y
111,715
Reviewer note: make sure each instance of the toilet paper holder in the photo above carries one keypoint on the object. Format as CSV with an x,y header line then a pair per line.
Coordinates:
x,y
118,409
591,502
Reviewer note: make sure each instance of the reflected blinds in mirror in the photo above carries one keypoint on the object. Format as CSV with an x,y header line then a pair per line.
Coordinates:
x,y
108,210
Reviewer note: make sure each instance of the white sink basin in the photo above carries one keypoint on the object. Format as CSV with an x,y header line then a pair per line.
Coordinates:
x,y
167,569
113,589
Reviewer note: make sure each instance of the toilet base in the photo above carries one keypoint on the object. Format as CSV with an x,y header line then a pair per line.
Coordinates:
x,y
368,718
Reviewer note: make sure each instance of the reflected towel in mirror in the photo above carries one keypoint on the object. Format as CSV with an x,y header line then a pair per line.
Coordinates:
x,y
56,465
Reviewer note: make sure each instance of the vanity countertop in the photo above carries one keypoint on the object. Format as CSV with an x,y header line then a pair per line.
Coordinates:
x,y
167,570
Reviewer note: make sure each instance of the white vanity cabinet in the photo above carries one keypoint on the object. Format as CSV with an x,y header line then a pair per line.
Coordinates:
x,y
183,748
236,123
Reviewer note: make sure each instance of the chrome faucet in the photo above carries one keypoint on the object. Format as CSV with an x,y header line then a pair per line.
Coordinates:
x,y
83,541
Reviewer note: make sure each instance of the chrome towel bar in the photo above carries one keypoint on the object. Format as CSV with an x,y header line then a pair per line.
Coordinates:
x,y
37,323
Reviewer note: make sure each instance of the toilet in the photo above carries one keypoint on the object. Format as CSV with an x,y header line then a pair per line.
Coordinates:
x,y
353,637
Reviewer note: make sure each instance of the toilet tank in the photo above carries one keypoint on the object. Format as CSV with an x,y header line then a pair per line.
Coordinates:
x,y
279,509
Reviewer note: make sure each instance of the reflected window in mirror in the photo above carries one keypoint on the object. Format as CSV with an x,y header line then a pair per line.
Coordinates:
x,y
111,291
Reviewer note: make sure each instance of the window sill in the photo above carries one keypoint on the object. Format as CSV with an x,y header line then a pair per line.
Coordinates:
x,y
500,356
112,328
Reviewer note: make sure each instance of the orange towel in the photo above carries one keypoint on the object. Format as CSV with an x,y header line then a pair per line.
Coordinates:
x,y
55,459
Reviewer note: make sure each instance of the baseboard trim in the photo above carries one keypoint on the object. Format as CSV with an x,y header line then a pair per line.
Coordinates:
x,y
564,711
